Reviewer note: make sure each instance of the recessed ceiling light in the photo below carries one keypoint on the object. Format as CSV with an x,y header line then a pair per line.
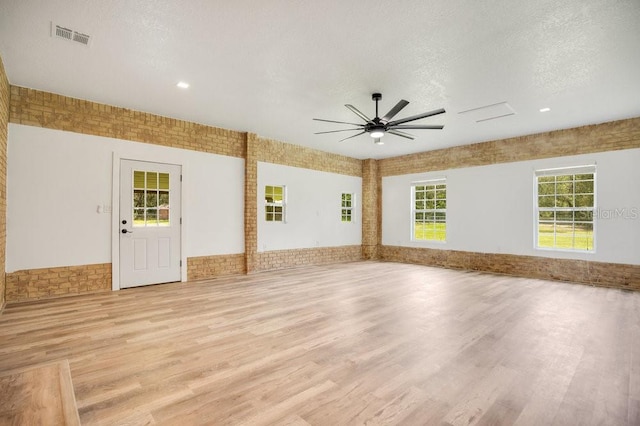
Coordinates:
x,y
545,109
183,85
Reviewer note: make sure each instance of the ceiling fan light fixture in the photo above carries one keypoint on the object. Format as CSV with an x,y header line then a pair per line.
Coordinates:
x,y
378,142
377,133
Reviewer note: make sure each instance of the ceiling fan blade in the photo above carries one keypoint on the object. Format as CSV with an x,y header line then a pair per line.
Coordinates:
x,y
352,136
426,127
399,133
336,131
417,117
396,109
339,122
358,113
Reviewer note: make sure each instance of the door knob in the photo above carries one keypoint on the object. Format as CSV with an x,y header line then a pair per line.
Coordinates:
x,y
124,231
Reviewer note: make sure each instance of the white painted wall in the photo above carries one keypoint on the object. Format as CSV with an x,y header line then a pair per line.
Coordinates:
x,y
56,180
313,209
505,223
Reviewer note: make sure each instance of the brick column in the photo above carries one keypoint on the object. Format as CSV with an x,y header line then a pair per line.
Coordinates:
x,y
251,203
4,120
371,209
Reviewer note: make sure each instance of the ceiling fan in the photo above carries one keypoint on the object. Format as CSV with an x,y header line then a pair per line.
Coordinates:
x,y
378,127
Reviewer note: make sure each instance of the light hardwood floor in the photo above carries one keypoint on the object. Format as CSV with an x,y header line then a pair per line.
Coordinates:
x,y
353,343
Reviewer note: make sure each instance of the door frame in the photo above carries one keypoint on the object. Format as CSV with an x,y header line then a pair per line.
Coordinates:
x,y
115,210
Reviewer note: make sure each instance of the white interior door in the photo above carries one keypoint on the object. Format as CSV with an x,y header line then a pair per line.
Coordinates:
x,y
150,223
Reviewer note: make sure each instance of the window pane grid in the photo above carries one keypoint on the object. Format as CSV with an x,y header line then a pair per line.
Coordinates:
x,y
430,212
150,199
565,211
346,212
274,203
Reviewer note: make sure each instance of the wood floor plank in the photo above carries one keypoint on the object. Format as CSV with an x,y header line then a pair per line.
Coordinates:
x,y
42,394
354,343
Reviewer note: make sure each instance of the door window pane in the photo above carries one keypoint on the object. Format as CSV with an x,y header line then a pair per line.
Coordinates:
x,y
164,180
138,217
152,180
163,199
163,217
151,199
138,198
138,179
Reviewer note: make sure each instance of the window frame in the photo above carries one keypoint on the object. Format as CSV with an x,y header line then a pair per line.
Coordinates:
x,y
274,204
565,171
428,182
351,211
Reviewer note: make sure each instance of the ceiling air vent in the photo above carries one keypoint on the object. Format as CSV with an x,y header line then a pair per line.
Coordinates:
x,y
58,31
80,38
62,32
489,112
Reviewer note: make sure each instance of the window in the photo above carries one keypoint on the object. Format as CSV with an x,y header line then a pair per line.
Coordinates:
x,y
150,198
429,211
274,198
564,210
348,203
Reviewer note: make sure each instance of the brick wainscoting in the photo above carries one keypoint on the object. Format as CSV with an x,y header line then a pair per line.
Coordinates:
x,y
281,259
53,282
204,267
614,275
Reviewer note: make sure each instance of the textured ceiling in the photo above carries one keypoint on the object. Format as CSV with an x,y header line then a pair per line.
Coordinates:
x,y
270,67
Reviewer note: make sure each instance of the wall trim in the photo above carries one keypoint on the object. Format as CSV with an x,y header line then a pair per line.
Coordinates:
x,y
602,274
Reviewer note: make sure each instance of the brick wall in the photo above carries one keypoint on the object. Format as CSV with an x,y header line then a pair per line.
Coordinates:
x,y
612,136
4,120
371,209
282,259
251,203
204,267
270,151
580,271
36,108
41,109
53,282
